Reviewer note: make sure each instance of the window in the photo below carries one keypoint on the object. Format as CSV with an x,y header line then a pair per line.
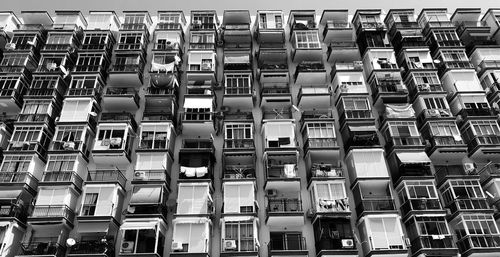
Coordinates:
x,y
134,18
197,114
130,41
98,201
140,240
193,199
94,40
154,137
16,163
278,21
59,39
431,226
286,241
99,21
444,129
476,105
202,38
69,133
168,18
403,129
485,127
21,40
476,225
330,197
237,84
239,198
19,59
385,233
242,233
356,104
426,78
192,236
89,62
76,110
44,82
419,189
203,18
110,138
89,204
51,62
60,163
26,134
461,189
307,39
8,84
54,197
127,60
84,85
320,130
454,55
279,134
239,131
435,103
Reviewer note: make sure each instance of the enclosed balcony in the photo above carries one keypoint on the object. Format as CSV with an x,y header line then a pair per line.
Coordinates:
x,y
127,70
287,243
148,201
269,30
142,238
196,160
408,164
120,98
238,90
202,40
236,29
244,241
334,236
373,196
160,109
171,20
156,137
477,235
359,135
52,249
92,62
153,168
239,198
114,141
306,45
20,63
52,212
388,87
429,235
194,199
423,83
136,21
75,139
279,135
443,140
98,41
198,115
367,164
36,35
310,73
47,87
482,138
329,197
63,38
464,196
238,166
34,139
12,89
100,176
12,179
383,235
401,135
85,86
284,206
238,136
202,67
336,26
237,61
64,178
191,237
434,18
314,97
319,137
204,20
418,197
272,65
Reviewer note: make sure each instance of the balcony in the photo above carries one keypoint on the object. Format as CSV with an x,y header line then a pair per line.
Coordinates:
x,y
465,205
119,117
445,66
422,205
238,144
445,147
375,205
44,212
238,172
314,97
33,146
343,51
244,246
92,248
310,73
470,244
11,99
61,178
52,249
335,29
154,176
484,144
99,176
387,89
20,178
126,75
416,89
273,66
360,136
289,245
476,112
355,115
434,243
147,210
365,26
275,97
44,119
12,210
271,32
120,98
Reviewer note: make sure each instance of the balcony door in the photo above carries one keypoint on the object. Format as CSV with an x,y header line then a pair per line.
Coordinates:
x,y
386,234
286,241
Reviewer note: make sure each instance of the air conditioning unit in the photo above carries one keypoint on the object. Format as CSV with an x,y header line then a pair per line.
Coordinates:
x,y
433,113
140,175
229,244
469,168
176,246
115,141
69,146
10,46
407,242
271,193
127,247
347,243
426,87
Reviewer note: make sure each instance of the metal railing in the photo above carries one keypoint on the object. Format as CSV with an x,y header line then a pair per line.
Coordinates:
x,y
106,176
284,205
93,247
375,205
289,242
63,176
238,144
432,242
19,177
423,204
47,211
470,242
42,248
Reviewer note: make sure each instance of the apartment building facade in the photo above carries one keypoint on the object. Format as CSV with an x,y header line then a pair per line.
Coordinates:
x,y
374,133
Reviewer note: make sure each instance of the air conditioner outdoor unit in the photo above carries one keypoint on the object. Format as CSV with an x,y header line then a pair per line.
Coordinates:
x,y
229,244
433,113
115,141
69,145
347,243
469,168
176,246
141,175
10,46
271,193
426,87
127,247
407,242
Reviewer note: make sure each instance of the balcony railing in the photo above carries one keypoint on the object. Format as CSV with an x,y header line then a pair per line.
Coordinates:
x,y
168,26
119,117
290,205
238,144
151,175
167,47
270,67
13,210
147,209
239,171
84,92
139,68
328,171
15,93
50,211
44,92
91,68
42,248
320,143
288,243
432,242
393,141
19,177
445,141
123,91
242,245
134,26
485,140
209,46
465,112
369,205
154,144
42,117
63,176
468,205
203,26
472,242
106,176
158,116
283,171
327,243
423,204
94,247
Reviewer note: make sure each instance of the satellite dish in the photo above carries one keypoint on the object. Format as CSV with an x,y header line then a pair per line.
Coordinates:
x,y
70,242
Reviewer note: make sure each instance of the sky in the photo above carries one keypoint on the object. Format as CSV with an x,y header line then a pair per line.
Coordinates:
x,y
220,5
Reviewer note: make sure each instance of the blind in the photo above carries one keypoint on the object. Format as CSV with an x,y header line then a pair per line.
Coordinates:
x,y
151,161
142,195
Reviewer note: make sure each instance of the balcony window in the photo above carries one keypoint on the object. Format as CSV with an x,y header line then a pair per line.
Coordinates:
x,y
366,164
94,41
428,226
52,197
28,138
238,135
100,21
43,84
21,41
237,84
152,166
203,18
155,137
194,199
461,189
426,81
70,138
279,134
484,131
37,108
445,129
202,41
289,241
16,163
444,36
454,56
242,232
59,39
76,110
136,18
307,39
477,231
18,59
417,190
168,40
110,138
403,133
166,17
9,84
435,103
142,240
201,61
61,163
330,197
127,63
191,236
84,85
239,197
384,233
130,41
270,21
333,234
98,201
89,62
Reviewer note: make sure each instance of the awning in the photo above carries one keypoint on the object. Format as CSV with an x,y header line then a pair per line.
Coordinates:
x,y
399,111
415,157
190,220
363,128
4,224
142,195
198,103
139,225
238,218
93,227
10,194
237,58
